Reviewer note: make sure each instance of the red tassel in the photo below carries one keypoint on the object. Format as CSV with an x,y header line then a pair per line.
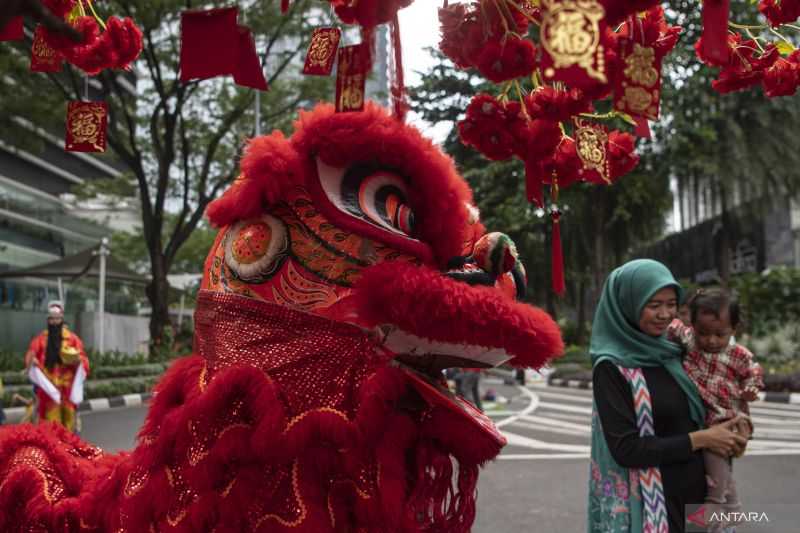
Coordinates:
x,y
715,30
284,6
557,259
398,83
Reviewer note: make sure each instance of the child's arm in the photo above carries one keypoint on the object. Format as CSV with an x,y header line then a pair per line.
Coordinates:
x,y
679,333
751,375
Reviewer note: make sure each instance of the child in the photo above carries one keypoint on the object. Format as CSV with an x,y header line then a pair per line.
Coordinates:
x,y
726,377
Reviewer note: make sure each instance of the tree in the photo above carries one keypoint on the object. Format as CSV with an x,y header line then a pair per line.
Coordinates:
x,y
718,146
179,142
601,226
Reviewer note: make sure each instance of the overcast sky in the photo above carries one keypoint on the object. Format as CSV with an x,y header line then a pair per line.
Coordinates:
x,y
419,29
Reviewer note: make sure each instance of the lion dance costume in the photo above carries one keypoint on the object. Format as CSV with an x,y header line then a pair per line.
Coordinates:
x,y
349,270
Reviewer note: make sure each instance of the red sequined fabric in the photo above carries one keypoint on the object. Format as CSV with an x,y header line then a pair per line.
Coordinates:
x,y
316,362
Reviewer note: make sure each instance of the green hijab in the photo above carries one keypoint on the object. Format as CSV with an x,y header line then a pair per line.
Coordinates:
x,y
616,335
615,503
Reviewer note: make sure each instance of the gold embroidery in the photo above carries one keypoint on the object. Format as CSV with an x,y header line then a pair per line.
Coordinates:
x,y
301,509
571,35
591,144
640,66
297,419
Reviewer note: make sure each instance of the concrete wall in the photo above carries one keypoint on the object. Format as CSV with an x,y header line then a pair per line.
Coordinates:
x,y
126,334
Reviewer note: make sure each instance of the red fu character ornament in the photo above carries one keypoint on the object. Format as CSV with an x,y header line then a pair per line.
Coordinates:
x,y
351,77
322,51
638,88
43,57
86,126
571,35
592,146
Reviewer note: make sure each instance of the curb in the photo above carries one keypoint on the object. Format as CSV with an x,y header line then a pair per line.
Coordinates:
x,y
772,397
95,404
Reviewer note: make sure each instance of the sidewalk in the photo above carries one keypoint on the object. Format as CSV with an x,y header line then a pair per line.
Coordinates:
x,y
15,414
776,397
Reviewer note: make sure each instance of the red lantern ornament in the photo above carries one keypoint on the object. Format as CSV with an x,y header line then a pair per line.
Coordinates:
x,y
351,77
322,51
13,31
572,38
43,57
86,126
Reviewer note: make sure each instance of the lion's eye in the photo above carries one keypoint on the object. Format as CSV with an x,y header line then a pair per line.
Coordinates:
x,y
255,249
375,195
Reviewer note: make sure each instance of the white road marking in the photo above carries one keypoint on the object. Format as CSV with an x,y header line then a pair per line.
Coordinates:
x,y
555,422
534,403
524,456
567,408
527,442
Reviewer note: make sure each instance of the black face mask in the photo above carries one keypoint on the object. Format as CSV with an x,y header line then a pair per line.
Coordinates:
x,y
53,352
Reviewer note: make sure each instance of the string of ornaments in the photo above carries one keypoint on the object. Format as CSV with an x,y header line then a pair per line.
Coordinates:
x,y
555,62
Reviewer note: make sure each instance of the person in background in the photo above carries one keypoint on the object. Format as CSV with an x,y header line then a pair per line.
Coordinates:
x,y
727,378
58,366
648,420
469,384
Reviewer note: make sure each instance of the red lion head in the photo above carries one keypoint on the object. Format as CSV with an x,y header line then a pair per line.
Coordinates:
x,y
350,269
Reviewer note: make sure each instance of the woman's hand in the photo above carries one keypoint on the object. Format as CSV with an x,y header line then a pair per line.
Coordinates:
x,y
720,437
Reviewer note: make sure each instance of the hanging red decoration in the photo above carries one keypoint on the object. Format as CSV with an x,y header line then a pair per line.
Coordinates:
x,y
43,57
715,30
572,38
203,57
351,77
557,254
86,127
14,30
368,13
117,46
248,71
322,51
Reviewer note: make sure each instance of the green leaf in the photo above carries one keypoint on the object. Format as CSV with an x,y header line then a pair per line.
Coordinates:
x,y
785,48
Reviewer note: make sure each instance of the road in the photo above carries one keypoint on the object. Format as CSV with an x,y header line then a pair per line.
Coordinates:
x,y
539,481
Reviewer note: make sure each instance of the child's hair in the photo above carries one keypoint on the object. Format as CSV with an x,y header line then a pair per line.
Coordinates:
x,y
714,301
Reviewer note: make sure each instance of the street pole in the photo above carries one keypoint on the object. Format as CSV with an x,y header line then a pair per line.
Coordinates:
x,y
103,252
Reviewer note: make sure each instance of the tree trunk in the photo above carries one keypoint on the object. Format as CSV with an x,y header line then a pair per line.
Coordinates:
x,y
724,246
158,293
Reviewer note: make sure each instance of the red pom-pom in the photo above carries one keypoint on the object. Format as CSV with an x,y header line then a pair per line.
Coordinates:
x,y
126,40
781,78
780,11
622,157
506,59
557,104
485,128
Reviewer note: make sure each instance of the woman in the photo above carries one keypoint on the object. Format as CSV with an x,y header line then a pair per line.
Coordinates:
x,y
647,420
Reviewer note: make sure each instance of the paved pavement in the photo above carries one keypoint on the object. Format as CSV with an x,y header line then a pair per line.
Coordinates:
x,y
538,484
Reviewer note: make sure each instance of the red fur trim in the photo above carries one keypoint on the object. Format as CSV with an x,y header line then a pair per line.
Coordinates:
x,y
430,305
270,165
